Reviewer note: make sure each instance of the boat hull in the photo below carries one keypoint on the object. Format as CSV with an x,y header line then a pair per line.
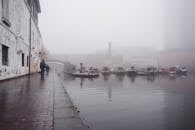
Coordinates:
x,y
106,73
131,73
85,75
142,73
120,73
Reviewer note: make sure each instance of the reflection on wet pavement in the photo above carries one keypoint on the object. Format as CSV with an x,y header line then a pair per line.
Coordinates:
x,y
26,103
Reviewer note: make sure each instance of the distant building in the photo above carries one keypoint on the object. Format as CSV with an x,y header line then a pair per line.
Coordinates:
x,y
179,34
179,24
18,32
188,15
99,59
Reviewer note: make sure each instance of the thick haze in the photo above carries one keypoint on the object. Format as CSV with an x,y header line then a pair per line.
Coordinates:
x,y
85,26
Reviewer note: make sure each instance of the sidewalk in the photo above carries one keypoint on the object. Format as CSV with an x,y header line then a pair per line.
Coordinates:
x,y
37,103
66,116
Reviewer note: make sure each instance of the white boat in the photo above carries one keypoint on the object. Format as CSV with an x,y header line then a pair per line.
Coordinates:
x,y
182,70
131,71
178,70
119,71
142,73
106,71
85,74
172,72
91,73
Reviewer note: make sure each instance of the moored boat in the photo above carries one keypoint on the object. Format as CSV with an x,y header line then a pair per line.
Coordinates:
x,y
152,70
106,71
85,75
119,71
182,70
91,73
178,70
162,71
131,71
142,73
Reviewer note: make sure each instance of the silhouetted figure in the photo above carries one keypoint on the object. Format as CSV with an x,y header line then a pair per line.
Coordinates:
x,y
81,83
42,66
47,68
42,76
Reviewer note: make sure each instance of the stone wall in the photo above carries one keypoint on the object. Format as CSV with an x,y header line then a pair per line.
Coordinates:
x,y
17,38
37,45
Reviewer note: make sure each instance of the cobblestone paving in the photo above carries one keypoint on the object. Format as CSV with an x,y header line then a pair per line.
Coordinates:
x,y
26,103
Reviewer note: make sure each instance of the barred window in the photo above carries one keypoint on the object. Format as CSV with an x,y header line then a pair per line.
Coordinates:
x,y
4,55
27,62
22,59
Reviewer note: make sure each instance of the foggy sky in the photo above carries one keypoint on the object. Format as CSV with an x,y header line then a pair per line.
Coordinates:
x,y
179,26
84,26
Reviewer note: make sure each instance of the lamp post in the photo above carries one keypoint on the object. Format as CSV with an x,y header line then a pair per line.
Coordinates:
x,y
30,41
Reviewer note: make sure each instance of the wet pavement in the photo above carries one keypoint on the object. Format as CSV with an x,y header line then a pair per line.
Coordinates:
x,y
37,103
66,115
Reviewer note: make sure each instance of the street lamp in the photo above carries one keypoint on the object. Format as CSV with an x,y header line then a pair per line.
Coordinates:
x,y
30,42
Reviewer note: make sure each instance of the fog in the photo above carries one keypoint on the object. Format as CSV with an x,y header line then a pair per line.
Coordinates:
x,y
159,31
179,24
75,26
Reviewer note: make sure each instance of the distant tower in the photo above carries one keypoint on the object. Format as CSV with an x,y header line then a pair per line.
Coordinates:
x,y
110,49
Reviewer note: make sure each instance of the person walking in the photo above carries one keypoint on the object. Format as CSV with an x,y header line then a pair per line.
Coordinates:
x,y
47,68
42,66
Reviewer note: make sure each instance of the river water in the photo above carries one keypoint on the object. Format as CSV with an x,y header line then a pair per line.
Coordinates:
x,y
135,103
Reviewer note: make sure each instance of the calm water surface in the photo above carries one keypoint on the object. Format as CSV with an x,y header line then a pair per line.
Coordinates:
x,y
135,103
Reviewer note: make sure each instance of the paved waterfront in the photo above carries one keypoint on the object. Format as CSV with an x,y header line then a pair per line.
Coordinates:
x,y
37,103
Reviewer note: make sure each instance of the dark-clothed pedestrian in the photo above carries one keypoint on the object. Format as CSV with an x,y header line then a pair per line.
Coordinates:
x,y
47,68
42,66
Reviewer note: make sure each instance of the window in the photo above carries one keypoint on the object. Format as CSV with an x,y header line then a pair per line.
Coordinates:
x,y
22,59
4,55
27,61
29,2
5,12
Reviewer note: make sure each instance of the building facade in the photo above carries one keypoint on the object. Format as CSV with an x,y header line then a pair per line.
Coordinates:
x,y
20,39
179,24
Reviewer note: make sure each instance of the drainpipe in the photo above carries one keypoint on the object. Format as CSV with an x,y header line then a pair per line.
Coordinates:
x,y
30,41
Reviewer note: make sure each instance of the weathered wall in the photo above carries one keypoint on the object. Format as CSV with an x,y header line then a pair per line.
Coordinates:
x,y
37,44
17,38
